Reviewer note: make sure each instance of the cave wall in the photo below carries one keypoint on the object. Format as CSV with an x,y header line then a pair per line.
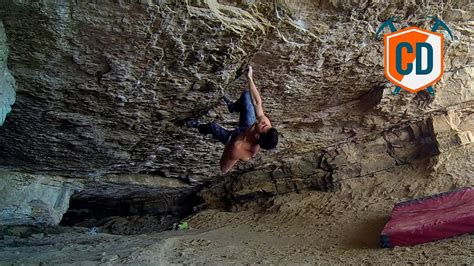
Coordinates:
x,y
103,88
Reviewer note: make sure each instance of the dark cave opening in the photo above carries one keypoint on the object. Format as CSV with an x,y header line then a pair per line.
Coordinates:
x,y
129,208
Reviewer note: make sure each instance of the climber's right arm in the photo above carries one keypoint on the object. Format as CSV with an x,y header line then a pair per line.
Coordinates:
x,y
255,95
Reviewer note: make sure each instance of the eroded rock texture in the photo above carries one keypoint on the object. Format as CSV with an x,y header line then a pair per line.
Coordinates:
x,y
104,88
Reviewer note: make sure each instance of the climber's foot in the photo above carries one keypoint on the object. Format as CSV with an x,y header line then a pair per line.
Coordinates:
x,y
192,123
229,103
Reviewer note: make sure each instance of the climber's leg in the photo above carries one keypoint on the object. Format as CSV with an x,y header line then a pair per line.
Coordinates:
x,y
217,132
246,109
229,103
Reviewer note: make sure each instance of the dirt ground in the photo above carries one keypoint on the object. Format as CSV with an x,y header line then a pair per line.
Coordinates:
x,y
307,227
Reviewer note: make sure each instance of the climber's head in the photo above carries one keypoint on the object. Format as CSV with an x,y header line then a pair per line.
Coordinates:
x,y
266,135
268,139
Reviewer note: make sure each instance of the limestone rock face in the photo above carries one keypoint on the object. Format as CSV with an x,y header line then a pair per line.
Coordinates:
x,y
103,88
34,199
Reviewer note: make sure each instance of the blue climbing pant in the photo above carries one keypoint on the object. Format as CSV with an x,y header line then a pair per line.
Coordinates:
x,y
247,118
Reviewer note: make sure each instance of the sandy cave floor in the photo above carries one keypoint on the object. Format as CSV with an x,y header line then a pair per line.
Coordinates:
x,y
306,227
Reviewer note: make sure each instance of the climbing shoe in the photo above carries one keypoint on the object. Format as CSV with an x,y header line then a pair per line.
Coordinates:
x,y
229,103
192,123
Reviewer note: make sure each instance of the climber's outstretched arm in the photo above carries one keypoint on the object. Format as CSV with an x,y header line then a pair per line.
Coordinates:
x,y
227,164
256,99
229,159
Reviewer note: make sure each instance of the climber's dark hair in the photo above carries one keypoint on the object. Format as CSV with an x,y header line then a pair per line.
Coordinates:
x,y
268,140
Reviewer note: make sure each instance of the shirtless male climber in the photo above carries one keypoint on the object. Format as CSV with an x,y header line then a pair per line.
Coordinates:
x,y
255,131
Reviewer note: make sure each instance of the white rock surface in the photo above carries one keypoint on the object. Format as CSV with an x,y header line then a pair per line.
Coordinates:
x,y
34,199
7,82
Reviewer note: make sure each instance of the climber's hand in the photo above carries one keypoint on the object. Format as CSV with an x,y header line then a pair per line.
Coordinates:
x,y
249,72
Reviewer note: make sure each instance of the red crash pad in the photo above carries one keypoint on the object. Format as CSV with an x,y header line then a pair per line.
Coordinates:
x,y
429,219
